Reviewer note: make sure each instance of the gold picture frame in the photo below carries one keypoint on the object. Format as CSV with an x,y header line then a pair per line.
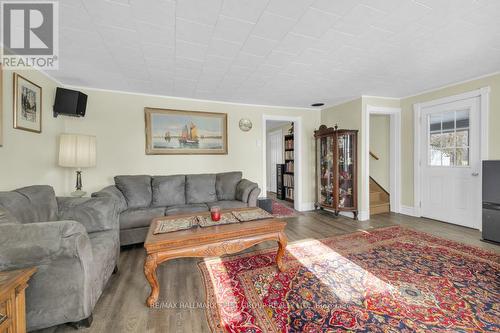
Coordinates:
x,y
27,105
177,132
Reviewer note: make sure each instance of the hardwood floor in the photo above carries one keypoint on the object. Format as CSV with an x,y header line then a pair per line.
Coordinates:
x,y
121,308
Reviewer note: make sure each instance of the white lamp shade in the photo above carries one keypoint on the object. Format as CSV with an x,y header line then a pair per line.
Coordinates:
x,y
77,151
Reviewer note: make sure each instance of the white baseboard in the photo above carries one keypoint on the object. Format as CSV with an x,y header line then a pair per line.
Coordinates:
x,y
408,210
363,216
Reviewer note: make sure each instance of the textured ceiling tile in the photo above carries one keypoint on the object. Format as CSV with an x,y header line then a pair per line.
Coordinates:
x,y
294,43
285,52
224,48
202,11
314,23
248,10
193,32
109,13
259,46
153,34
273,26
289,8
190,50
158,12
232,30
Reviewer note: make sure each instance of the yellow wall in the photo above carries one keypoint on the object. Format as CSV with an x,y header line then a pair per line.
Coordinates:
x,y
117,119
28,158
347,116
380,145
407,125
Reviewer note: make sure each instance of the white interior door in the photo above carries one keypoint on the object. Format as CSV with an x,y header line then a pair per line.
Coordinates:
x,y
450,162
275,156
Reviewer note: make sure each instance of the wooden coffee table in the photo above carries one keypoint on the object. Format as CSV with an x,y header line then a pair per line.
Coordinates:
x,y
208,242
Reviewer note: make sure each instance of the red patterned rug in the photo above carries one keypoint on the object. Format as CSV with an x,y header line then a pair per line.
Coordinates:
x,y
386,280
280,210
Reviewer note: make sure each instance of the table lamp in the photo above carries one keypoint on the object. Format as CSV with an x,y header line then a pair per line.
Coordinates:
x,y
77,151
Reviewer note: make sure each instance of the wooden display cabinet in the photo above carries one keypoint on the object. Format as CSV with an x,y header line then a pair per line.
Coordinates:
x,y
336,170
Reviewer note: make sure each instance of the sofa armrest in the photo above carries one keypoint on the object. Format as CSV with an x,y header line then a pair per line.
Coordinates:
x,y
243,189
96,214
252,198
113,192
34,244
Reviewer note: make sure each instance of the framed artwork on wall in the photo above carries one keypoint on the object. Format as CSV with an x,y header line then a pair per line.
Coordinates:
x,y
27,105
175,132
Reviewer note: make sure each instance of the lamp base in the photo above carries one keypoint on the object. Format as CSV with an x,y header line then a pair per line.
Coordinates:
x,y
78,193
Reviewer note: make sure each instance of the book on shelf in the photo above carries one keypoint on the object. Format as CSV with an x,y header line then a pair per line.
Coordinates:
x,y
289,166
289,155
289,193
289,144
288,180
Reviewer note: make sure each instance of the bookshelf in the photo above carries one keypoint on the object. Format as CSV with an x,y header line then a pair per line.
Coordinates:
x,y
288,174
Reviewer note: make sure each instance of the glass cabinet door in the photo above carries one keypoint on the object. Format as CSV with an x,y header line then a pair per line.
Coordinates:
x,y
325,171
346,151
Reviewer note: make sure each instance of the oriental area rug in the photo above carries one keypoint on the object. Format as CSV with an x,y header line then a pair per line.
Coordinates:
x,y
383,280
282,211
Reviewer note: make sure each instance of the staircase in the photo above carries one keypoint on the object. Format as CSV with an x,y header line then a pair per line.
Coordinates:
x,y
379,199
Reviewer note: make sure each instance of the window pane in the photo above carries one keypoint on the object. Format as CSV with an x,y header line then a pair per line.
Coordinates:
x,y
448,120
435,140
448,158
435,157
462,157
462,138
448,140
462,119
435,123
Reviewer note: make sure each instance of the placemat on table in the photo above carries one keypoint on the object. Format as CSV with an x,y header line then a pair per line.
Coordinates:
x,y
225,218
171,225
251,215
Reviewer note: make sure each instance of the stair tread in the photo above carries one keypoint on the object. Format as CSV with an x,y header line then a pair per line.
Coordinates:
x,y
380,203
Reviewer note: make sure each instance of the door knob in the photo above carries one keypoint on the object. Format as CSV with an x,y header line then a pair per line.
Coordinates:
x,y
475,174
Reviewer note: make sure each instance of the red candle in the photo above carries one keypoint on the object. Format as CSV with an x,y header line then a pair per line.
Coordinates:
x,y
215,213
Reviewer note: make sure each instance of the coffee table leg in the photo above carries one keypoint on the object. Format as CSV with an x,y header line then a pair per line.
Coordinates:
x,y
282,241
150,271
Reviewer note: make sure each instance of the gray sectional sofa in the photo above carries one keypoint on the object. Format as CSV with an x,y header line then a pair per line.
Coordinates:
x,y
142,198
73,243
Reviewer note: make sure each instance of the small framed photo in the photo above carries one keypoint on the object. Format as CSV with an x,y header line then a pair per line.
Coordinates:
x,y
27,105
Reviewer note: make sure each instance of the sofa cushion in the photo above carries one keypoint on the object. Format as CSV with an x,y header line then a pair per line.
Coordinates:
x,y
136,190
169,190
139,217
225,185
190,208
200,188
31,204
6,217
244,188
227,204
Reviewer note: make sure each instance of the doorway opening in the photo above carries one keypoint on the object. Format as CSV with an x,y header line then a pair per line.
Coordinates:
x,y
382,169
281,159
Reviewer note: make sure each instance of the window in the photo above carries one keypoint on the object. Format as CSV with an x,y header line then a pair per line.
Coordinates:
x,y
449,138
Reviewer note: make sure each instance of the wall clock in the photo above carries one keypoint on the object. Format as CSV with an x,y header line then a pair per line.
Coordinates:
x,y
245,125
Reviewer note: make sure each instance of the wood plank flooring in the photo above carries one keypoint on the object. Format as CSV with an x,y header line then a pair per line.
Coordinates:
x,y
121,308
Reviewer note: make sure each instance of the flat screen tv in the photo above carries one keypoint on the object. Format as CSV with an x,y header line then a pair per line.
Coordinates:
x,y
70,103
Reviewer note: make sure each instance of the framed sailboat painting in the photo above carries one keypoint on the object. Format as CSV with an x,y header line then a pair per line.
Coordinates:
x,y
175,132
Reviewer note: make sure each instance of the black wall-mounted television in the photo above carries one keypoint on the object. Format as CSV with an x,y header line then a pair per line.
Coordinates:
x,y
70,103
